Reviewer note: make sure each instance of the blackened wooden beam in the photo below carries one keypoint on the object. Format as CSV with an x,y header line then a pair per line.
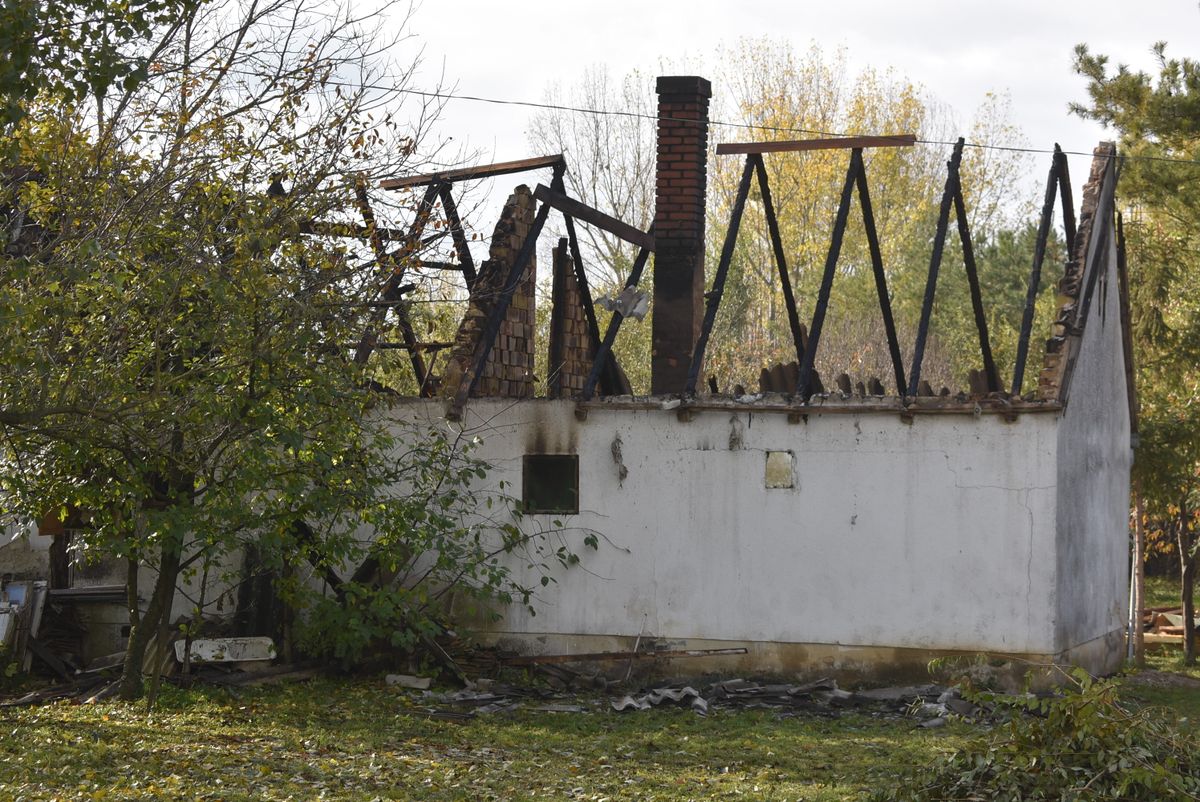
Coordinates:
x,y
425,263
550,659
713,297
325,228
785,279
835,248
394,261
1068,198
450,208
885,301
935,261
570,206
968,251
479,171
589,307
841,142
1035,276
1126,326
1103,219
610,378
431,238
603,358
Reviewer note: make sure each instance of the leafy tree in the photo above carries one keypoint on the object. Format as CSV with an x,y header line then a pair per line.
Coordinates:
x,y
1158,120
71,49
175,360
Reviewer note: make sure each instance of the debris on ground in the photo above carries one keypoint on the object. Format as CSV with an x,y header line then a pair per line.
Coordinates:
x,y
409,681
932,705
687,696
21,606
226,650
1165,625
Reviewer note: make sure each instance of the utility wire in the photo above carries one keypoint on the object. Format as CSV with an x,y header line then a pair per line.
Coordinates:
x,y
746,126
752,126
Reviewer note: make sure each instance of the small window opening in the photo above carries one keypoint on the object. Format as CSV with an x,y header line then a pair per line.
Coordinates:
x,y
550,483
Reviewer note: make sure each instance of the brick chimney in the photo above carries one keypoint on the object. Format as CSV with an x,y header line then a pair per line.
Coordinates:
x,y
680,183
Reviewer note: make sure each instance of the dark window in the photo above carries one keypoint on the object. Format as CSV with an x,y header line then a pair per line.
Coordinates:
x,y
550,483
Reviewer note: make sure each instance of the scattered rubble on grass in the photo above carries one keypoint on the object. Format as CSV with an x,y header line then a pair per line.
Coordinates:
x,y
931,705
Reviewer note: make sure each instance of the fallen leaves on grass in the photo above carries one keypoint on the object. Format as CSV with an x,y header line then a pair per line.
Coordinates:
x,y
361,740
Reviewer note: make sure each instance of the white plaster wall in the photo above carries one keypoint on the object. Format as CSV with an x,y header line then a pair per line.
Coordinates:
x,y
936,534
1094,458
24,553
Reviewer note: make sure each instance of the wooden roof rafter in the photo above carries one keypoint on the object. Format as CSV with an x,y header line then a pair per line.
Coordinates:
x,y
474,173
828,143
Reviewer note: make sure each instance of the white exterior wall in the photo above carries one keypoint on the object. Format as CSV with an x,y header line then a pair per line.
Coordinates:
x,y
24,553
937,534
1094,458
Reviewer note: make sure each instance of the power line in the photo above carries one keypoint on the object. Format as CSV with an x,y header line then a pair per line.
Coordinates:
x,y
746,126
751,126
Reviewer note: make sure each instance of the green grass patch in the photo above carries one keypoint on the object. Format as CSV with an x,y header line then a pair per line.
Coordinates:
x,y
364,740
1161,591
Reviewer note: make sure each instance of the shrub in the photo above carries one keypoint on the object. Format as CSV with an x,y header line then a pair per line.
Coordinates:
x,y
1082,745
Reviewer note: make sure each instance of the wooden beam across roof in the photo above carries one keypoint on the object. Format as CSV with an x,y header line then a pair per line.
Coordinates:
x,y
587,214
352,230
478,171
891,141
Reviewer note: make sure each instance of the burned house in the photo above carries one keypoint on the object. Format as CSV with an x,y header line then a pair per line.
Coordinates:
x,y
818,526
809,524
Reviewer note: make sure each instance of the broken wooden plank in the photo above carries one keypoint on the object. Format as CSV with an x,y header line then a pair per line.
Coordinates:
x,y
43,653
434,265
543,659
587,214
1155,638
298,675
785,146
469,173
65,691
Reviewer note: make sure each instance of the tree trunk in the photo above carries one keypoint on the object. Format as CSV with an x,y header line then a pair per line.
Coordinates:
x,y
1139,579
1187,564
148,625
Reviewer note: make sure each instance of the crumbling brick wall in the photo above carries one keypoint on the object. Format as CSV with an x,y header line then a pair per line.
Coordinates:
x,y
508,372
570,347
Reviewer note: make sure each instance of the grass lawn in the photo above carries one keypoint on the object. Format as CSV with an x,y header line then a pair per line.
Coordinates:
x,y
363,740
1161,591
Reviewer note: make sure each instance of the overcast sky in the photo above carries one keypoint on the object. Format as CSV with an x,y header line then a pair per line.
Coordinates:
x,y
958,50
